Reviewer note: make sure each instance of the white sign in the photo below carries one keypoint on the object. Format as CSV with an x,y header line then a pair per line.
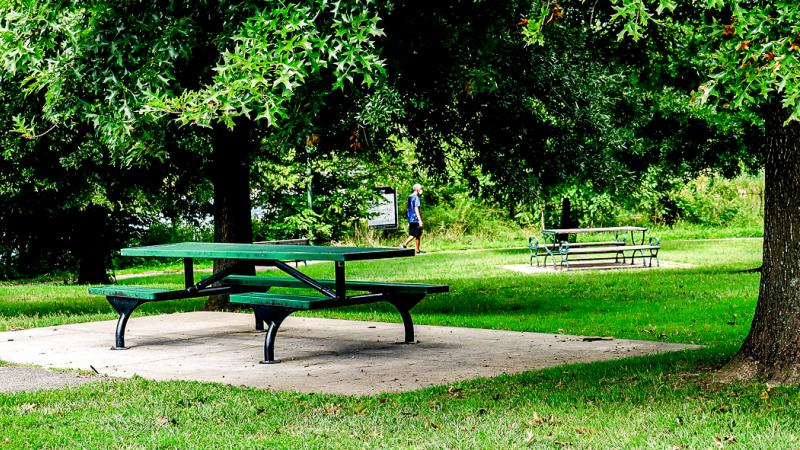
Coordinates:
x,y
383,212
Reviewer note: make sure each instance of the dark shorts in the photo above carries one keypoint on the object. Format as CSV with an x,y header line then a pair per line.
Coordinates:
x,y
414,229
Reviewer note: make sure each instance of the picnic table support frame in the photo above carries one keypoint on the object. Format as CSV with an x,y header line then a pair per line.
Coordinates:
x,y
188,272
274,316
273,309
549,249
302,277
404,307
633,238
124,307
341,288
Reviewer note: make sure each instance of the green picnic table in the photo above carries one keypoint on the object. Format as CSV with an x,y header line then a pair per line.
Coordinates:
x,y
249,290
615,249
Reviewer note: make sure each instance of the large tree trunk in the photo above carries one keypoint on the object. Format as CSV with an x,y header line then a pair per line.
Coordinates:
x,y
90,244
772,349
230,174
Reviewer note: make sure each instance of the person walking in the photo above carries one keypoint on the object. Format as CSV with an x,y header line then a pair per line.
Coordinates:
x,y
414,218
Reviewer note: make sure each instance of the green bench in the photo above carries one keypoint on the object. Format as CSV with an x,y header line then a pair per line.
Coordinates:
x,y
269,308
272,309
538,249
125,299
566,250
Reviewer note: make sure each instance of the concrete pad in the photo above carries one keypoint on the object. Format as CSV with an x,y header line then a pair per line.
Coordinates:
x,y
318,355
592,265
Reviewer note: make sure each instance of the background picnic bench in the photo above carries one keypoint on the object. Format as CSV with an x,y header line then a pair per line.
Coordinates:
x,y
606,250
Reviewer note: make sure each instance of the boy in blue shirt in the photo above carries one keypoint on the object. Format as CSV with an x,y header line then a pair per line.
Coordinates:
x,y
414,217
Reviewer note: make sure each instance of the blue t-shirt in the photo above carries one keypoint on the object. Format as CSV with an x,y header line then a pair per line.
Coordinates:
x,y
413,201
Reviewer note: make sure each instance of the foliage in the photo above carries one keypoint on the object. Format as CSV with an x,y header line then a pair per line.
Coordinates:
x,y
708,200
526,122
66,202
341,191
748,49
249,64
272,54
713,202
124,78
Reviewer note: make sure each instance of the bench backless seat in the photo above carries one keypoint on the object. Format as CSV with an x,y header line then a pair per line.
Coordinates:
x,y
616,250
125,299
271,309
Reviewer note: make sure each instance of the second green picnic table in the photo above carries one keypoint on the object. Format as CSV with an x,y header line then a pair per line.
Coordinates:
x,y
556,244
269,308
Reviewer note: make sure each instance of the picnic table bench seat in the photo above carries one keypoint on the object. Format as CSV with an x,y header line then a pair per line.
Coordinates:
x,y
272,309
372,286
617,248
125,299
608,249
136,292
565,250
580,244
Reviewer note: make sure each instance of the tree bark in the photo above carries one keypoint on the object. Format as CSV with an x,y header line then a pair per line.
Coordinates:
x,y
90,244
566,221
771,350
230,175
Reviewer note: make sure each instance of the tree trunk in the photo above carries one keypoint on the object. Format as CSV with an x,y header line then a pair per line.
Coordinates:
x,y
230,175
90,244
772,349
566,221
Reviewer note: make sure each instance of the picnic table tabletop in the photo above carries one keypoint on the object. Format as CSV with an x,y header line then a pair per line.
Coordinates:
x,y
591,230
266,252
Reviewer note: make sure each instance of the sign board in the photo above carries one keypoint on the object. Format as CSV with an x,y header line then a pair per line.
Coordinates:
x,y
383,212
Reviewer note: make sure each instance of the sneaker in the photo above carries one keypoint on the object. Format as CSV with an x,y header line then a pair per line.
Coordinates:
x,y
403,246
422,253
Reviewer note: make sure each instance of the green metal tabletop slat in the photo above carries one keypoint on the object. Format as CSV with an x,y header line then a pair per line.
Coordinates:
x,y
265,252
591,230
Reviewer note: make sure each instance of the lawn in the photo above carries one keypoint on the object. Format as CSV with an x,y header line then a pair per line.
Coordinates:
x,y
666,401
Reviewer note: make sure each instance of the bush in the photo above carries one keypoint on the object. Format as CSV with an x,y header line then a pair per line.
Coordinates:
x,y
715,201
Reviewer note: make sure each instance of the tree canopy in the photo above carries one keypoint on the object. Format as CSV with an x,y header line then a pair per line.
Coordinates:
x,y
526,122
230,75
748,52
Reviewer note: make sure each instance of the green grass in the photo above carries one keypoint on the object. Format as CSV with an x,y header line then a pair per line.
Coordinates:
x,y
664,401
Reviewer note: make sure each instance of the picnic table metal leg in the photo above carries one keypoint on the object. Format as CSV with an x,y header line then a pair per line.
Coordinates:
x,y
341,287
274,317
553,250
188,272
654,254
123,306
404,308
641,255
259,323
